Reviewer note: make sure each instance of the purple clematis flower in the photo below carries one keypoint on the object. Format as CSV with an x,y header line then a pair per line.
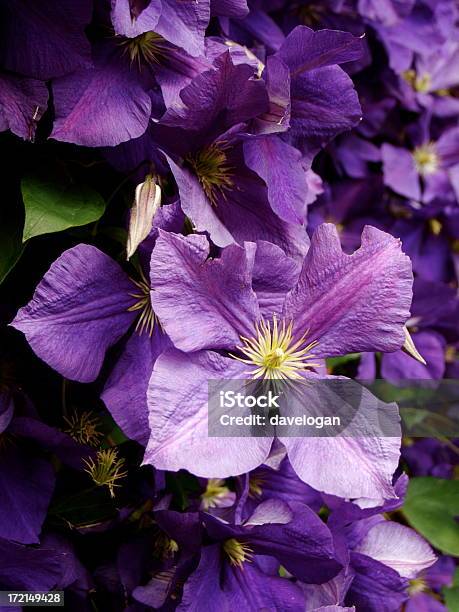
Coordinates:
x,y
240,566
425,28
423,590
84,305
180,23
430,170
112,100
311,101
203,139
253,302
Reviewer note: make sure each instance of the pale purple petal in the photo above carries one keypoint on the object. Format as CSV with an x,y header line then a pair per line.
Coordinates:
x,y
202,304
399,171
78,310
399,547
129,21
184,24
351,465
352,303
179,418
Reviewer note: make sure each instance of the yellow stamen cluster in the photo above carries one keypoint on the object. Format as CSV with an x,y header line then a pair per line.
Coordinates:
x,y
275,353
435,226
255,486
147,318
417,585
426,158
212,169
148,48
215,491
416,82
164,546
107,469
237,552
310,14
84,428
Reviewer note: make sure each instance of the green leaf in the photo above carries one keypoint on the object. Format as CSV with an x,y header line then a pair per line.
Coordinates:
x,y
451,594
11,248
334,362
431,506
53,206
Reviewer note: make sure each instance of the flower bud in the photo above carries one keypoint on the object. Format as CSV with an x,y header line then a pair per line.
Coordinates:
x,y
146,203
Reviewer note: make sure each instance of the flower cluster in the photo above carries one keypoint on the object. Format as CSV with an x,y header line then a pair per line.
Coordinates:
x,y
220,190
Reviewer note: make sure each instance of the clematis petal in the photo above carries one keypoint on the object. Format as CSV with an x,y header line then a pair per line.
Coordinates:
x,y
79,309
399,171
202,304
45,40
100,106
184,24
27,483
280,166
22,103
125,392
273,275
398,547
376,587
305,49
352,303
352,468
179,418
219,98
324,104
240,214
28,568
231,588
130,21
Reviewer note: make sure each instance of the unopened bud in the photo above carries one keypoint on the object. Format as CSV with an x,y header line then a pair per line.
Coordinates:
x,y
146,203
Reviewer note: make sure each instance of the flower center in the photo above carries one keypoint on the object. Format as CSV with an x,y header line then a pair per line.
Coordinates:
x,y
107,469
256,486
310,14
215,492
426,158
148,48
417,585
84,428
416,82
147,318
237,552
212,169
274,352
